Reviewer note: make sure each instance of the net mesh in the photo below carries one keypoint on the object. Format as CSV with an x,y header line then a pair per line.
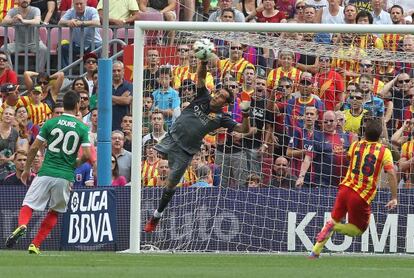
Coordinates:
x,y
251,203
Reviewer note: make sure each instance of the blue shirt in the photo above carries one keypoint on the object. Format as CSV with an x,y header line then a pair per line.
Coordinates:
x,y
82,174
382,18
90,33
164,100
375,106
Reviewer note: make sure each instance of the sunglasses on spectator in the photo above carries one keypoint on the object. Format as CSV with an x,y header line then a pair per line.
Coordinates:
x,y
356,98
3,59
232,86
329,121
183,50
305,82
43,82
366,65
301,7
324,59
91,62
406,81
84,98
235,47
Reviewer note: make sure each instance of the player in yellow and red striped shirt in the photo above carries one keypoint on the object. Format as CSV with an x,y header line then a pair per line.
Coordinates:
x,y
358,188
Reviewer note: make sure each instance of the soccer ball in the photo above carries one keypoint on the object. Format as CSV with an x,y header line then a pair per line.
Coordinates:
x,y
203,49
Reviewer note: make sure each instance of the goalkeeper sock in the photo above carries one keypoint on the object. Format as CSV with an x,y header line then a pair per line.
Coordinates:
x,y
25,215
317,248
45,228
348,229
167,195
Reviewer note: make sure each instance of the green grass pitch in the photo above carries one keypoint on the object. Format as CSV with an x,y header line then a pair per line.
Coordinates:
x,y
106,264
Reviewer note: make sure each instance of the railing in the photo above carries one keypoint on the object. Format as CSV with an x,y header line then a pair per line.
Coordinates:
x,y
51,37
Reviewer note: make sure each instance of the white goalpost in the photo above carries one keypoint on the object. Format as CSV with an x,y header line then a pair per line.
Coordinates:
x,y
227,219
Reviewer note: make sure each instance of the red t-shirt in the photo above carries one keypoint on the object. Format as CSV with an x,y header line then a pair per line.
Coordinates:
x,y
331,87
272,19
67,4
8,76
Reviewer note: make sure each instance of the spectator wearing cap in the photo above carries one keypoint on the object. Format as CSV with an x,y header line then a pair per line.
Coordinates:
x,y
120,12
38,111
191,73
225,4
82,20
50,85
166,99
90,62
10,96
330,84
295,110
7,75
24,18
187,90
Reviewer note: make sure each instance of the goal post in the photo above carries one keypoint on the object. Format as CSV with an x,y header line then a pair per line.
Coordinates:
x,y
256,243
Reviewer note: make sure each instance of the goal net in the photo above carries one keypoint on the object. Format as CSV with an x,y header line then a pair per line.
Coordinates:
x,y
241,193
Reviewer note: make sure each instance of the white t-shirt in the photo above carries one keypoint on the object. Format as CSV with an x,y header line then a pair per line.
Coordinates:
x,y
327,18
317,4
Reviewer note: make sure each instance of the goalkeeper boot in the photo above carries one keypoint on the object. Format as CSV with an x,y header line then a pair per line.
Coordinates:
x,y
326,231
33,249
151,224
14,237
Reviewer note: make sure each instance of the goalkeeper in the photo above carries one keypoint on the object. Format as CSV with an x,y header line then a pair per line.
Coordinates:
x,y
184,139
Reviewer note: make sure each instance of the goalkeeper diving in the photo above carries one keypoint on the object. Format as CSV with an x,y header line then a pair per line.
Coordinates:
x,y
357,190
202,116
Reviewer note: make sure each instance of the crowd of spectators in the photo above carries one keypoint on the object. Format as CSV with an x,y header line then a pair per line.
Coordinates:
x,y
306,110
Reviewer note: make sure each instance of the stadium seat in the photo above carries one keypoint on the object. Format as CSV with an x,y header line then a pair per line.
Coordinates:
x,y
54,38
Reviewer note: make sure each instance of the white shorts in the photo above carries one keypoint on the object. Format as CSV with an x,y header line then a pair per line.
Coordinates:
x,y
44,189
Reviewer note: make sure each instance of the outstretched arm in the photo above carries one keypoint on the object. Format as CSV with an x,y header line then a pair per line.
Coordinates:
x,y
202,73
